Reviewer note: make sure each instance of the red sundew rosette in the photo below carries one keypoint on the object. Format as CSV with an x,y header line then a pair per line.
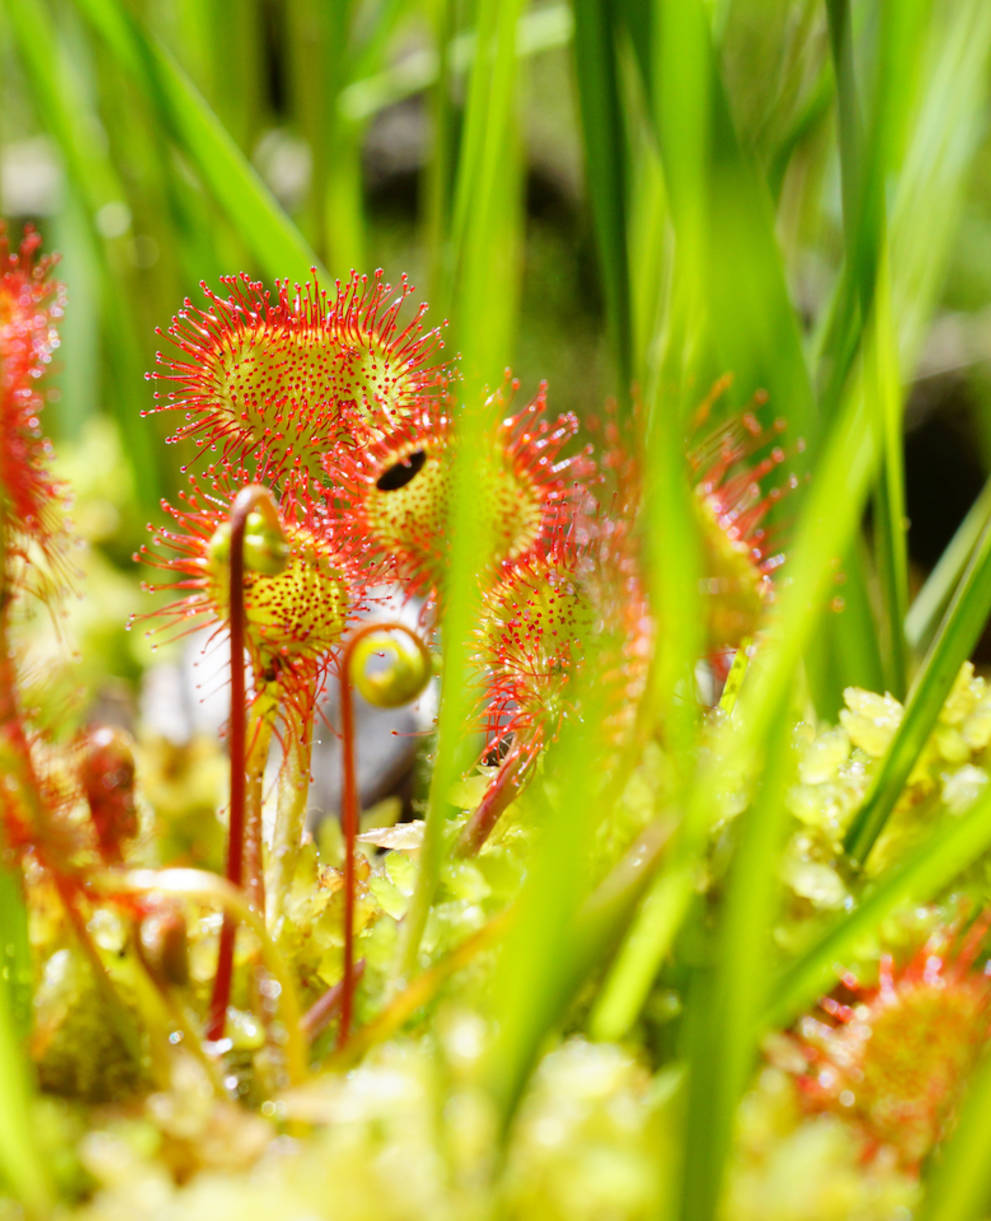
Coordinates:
x,y
30,305
896,1059
394,499
283,385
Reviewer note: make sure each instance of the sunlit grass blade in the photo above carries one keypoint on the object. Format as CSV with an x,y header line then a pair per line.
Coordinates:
x,y
483,292
930,602
890,522
958,1188
725,1029
823,532
753,324
179,108
866,159
437,182
953,845
962,624
21,1161
607,162
94,183
725,230
650,271
534,976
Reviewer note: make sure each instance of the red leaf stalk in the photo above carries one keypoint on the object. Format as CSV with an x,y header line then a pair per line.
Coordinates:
x,y
252,498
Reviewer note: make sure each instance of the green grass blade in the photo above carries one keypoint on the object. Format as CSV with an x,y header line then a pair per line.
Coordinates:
x,y
94,183
824,531
483,292
959,1185
21,1162
890,522
932,599
962,624
607,161
865,164
532,977
247,203
953,846
753,324
436,188
724,1031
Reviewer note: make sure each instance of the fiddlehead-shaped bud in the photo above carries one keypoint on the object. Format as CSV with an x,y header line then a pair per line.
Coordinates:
x,y
390,666
266,548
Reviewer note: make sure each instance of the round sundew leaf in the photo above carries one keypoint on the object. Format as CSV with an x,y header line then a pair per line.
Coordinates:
x,y
287,383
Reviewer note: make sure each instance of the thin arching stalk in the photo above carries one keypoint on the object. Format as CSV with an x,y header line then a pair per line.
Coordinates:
x,y
250,499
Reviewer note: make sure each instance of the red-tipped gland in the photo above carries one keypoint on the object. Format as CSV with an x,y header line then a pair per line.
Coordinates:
x,y
278,385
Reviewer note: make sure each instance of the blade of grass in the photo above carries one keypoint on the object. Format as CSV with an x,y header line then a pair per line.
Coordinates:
x,y
20,1158
436,182
889,497
931,600
223,168
724,1031
953,846
753,324
823,532
673,564
95,183
959,1186
483,289
651,288
528,978
21,1161
962,624
865,164
606,161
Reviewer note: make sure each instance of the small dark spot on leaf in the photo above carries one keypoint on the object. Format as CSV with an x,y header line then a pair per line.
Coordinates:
x,y
398,476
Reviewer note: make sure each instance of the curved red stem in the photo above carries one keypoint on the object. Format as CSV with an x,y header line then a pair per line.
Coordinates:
x,y
251,498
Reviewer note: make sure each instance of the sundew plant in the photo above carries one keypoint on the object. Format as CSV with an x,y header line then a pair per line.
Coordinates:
x,y
570,374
